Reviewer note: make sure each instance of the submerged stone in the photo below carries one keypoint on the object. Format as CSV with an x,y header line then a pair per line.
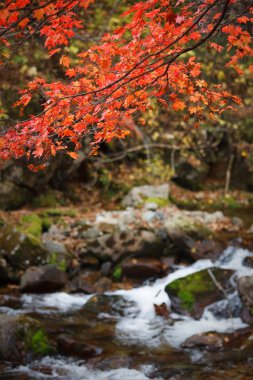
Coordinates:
x,y
191,294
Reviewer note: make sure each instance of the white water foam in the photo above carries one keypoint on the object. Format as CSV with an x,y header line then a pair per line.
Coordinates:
x,y
56,302
141,325
66,369
149,329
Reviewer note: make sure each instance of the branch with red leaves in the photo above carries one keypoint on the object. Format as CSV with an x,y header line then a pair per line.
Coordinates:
x,y
153,57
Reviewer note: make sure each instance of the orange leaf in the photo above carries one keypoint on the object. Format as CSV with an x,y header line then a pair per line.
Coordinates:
x,y
74,155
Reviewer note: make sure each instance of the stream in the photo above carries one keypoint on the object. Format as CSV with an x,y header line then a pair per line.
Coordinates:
x,y
130,340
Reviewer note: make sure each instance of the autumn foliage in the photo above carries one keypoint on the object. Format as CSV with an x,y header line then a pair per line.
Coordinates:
x,y
152,57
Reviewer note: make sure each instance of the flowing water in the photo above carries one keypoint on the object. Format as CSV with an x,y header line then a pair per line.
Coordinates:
x,y
134,342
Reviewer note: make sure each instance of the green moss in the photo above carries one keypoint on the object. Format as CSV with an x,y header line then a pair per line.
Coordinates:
x,y
117,273
31,224
187,289
39,344
159,201
59,262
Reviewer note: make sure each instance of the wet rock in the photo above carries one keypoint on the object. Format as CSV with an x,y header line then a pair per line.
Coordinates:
x,y
189,248
43,279
108,306
248,261
210,341
140,194
74,346
245,288
191,294
142,268
227,308
22,337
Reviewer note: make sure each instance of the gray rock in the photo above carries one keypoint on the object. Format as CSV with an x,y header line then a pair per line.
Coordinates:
x,y
55,247
91,233
21,249
43,279
139,194
245,288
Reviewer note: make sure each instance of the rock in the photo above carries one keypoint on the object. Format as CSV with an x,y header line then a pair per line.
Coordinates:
x,y
107,306
58,254
142,268
191,294
210,341
22,337
106,268
74,346
185,246
55,247
227,308
114,247
43,279
21,247
91,233
147,193
248,261
245,288
90,282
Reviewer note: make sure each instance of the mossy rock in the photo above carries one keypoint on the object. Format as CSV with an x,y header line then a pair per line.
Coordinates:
x,y
21,338
21,245
191,294
31,224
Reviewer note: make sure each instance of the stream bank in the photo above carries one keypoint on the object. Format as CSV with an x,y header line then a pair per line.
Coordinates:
x,y
150,291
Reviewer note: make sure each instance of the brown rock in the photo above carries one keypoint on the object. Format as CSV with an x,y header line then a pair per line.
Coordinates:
x,y
142,268
209,341
43,279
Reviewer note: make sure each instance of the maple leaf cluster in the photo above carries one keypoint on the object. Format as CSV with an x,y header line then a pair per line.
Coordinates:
x,y
152,57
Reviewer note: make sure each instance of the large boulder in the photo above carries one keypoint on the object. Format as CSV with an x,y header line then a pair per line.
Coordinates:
x,y
147,193
21,246
116,246
190,295
43,279
22,337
